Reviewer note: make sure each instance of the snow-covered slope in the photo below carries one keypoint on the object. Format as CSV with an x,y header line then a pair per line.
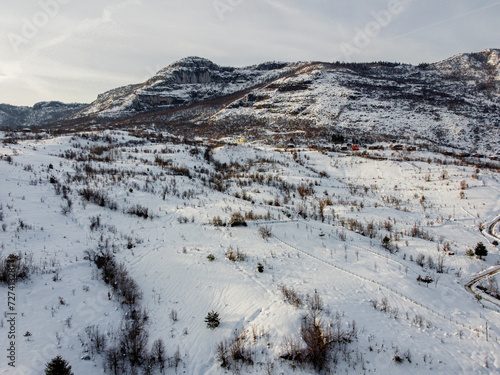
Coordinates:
x,y
454,103
39,115
482,66
316,222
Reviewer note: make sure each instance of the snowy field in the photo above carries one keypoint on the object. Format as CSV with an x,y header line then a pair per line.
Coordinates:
x,y
340,236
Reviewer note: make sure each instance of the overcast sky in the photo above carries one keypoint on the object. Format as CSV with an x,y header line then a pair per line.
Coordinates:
x,y
72,50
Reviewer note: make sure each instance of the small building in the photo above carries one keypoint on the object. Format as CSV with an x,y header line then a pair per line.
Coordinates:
x,y
355,147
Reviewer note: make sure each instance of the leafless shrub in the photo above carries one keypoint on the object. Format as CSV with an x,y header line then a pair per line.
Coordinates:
x,y
159,353
174,315
133,343
116,275
114,361
238,350
305,190
19,265
407,355
418,320
222,355
139,211
183,219
97,340
317,338
418,232
265,232
176,359
217,221
95,223
237,220
440,264
315,303
23,226
291,349
291,296
235,255
98,197
384,304
394,313
251,215
430,263
420,259
66,210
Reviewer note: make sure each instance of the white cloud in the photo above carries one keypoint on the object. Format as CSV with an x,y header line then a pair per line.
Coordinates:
x,y
98,45
9,71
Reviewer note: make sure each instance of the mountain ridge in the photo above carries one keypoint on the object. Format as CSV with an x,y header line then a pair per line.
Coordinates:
x,y
41,114
166,89
454,102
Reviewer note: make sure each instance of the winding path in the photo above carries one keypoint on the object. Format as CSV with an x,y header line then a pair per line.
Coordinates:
x,y
470,285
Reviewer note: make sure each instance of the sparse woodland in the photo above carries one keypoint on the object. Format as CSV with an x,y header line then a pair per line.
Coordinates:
x,y
144,253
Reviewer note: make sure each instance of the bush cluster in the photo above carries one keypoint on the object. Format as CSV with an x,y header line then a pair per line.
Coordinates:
x,y
23,267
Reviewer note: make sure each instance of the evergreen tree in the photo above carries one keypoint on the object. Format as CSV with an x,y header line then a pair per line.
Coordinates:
x,y
480,250
212,320
386,242
58,366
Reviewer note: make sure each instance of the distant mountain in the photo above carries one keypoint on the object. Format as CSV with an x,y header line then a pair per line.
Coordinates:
x,y
43,113
455,102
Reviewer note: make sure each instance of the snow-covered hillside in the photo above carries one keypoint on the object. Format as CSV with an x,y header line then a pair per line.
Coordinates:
x,y
340,238
453,103
43,113
450,103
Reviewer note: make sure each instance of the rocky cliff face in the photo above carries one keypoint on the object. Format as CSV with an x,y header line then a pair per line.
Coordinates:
x,y
185,82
